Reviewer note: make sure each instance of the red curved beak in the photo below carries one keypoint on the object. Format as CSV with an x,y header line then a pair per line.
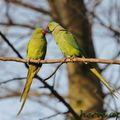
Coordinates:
x,y
45,30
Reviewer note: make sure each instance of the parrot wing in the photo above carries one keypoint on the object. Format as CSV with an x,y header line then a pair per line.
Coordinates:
x,y
71,40
28,46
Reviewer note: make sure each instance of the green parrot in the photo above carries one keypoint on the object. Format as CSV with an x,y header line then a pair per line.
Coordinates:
x,y
36,49
70,48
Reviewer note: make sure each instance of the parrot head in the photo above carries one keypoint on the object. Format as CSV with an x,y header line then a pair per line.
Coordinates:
x,y
51,26
39,31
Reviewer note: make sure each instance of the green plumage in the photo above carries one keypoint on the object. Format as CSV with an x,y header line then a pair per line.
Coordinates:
x,y
65,40
70,48
36,49
37,45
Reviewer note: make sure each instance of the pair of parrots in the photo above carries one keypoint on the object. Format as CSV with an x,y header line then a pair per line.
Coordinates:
x,y
37,49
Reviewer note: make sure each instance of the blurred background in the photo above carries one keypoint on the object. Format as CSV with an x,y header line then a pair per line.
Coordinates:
x,y
96,26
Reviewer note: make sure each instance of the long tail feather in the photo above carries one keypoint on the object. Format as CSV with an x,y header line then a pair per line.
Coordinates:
x,y
95,72
25,93
26,85
110,88
31,73
22,105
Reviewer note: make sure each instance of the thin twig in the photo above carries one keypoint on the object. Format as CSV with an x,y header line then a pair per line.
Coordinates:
x,y
12,47
13,79
7,41
54,115
26,5
65,60
53,72
115,57
103,24
17,24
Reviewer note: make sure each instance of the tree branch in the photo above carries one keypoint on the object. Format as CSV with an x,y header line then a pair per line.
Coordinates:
x,y
16,24
65,60
54,115
13,79
12,47
7,41
115,57
116,32
20,3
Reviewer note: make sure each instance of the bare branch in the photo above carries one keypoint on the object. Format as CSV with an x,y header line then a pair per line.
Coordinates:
x,y
20,3
54,115
13,79
7,11
116,32
65,60
16,24
12,47
53,72
7,41
116,56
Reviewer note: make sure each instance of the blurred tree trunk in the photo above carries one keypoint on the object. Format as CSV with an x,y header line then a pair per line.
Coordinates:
x,y
85,91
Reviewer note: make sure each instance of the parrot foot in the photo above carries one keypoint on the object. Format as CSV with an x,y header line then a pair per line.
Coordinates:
x,y
28,60
70,58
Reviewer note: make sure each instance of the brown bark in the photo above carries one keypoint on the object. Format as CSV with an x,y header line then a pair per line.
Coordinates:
x,y
84,89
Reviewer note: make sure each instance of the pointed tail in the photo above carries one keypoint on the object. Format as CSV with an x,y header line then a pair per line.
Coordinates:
x,y
95,72
110,88
31,73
